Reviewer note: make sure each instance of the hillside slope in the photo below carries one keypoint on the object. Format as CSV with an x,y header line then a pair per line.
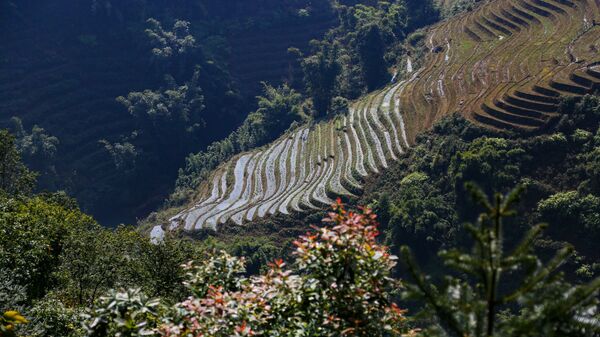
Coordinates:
x,y
62,65
262,55
503,66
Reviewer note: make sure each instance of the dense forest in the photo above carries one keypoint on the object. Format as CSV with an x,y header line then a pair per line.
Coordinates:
x,y
115,116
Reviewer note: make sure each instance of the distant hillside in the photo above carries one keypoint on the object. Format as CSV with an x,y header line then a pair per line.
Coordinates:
x,y
503,66
62,64
262,55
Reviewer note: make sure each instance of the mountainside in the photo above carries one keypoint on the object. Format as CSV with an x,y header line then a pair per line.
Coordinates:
x,y
262,55
503,66
64,63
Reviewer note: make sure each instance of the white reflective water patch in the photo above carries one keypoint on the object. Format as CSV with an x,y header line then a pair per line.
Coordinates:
x,y
157,235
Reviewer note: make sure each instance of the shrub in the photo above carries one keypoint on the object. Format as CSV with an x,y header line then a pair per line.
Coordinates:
x,y
340,284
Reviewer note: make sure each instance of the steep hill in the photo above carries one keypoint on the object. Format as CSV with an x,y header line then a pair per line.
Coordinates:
x,y
503,66
62,64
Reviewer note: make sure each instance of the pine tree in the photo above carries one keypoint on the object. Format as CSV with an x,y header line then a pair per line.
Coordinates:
x,y
492,292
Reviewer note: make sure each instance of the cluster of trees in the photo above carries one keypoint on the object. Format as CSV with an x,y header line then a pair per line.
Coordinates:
x,y
37,148
55,260
340,284
559,170
355,57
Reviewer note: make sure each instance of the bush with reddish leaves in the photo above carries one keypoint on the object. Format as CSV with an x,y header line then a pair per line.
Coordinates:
x,y
339,285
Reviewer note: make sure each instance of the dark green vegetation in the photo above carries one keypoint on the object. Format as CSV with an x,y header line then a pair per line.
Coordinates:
x,y
56,260
557,169
502,292
63,65
57,265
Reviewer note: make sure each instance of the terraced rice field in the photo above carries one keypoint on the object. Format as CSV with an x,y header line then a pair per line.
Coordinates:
x,y
504,66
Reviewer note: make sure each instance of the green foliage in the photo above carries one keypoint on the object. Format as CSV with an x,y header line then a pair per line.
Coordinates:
x,y
12,295
52,318
339,106
54,260
124,155
169,43
356,55
169,116
15,178
87,267
320,74
493,162
419,211
33,234
502,291
580,212
576,112
37,148
127,313
221,270
156,268
278,107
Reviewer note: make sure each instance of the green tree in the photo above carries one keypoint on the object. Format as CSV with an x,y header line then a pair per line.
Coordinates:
x,y
37,148
128,313
33,234
124,155
504,293
50,317
279,107
371,49
580,212
493,163
320,74
170,43
168,118
89,264
15,178
420,212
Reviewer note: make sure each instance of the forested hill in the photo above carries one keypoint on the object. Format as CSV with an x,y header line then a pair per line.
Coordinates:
x,y
64,63
505,65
